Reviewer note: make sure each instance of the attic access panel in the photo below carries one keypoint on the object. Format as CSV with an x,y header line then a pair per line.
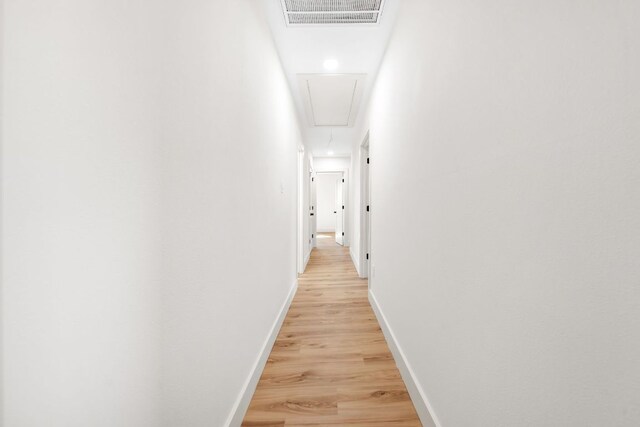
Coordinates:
x,y
331,99
331,12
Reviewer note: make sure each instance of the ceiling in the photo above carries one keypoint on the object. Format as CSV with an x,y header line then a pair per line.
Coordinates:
x,y
331,100
330,103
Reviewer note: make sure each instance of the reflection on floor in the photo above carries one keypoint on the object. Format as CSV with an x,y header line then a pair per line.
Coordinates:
x,y
330,365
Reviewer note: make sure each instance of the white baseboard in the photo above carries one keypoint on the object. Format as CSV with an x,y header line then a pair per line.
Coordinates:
x,y
242,403
418,397
355,261
306,261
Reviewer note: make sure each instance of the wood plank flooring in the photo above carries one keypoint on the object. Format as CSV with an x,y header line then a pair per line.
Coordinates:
x,y
330,365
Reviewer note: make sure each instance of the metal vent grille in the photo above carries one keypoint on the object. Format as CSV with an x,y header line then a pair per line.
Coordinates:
x,y
314,12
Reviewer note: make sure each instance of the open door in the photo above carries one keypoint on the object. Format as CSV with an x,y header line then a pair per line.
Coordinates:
x,y
339,213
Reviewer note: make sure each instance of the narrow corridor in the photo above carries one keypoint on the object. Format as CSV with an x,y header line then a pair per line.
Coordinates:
x,y
174,175
330,364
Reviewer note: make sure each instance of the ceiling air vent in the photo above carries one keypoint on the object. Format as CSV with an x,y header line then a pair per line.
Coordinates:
x,y
332,12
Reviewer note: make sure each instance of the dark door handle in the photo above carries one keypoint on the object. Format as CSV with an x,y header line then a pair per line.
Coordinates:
x,y
311,214
335,212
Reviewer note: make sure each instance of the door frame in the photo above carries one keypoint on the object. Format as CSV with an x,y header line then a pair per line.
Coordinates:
x,y
312,209
365,216
301,217
339,209
345,200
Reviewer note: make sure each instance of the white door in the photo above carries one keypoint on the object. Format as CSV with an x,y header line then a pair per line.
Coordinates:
x,y
312,209
339,213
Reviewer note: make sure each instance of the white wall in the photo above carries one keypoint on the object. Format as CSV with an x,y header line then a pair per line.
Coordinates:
x,y
230,205
331,164
506,208
80,186
149,199
1,209
326,203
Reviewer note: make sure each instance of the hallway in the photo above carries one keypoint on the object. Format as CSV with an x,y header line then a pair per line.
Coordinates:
x,y
330,364
174,175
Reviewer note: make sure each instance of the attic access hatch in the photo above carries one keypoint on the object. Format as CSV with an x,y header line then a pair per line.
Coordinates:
x,y
331,12
331,99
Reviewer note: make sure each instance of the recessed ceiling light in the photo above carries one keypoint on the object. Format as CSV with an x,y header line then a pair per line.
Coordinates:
x,y
330,65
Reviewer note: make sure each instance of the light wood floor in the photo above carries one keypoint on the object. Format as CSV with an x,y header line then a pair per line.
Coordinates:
x,y
330,365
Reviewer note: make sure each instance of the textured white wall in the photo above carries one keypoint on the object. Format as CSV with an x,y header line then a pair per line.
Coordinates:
x,y
229,208
80,184
505,139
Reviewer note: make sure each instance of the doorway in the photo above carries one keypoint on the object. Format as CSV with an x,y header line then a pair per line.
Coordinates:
x,y
312,209
301,229
365,210
330,210
339,211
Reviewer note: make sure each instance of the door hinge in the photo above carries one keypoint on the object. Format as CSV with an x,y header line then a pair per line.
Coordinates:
x,y
367,208
343,233
342,179
314,178
367,256
312,236
342,206
367,160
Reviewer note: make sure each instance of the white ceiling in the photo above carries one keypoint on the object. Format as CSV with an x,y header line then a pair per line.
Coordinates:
x,y
358,49
331,100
